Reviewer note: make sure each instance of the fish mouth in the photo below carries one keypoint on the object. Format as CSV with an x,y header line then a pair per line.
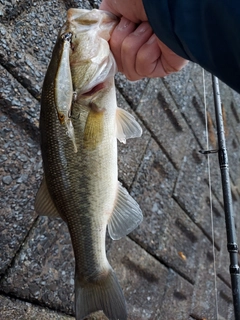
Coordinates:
x,y
94,90
103,78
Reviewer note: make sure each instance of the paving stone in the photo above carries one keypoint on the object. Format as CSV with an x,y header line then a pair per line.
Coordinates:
x,y
20,165
19,105
16,309
43,271
164,121
130,154
235,107
192,194
225,307
204,296
177,83
230,113
132,91
223,261
177,299
26,49
142,277
166,231
236,210
149,287
192,109
231,131
199,82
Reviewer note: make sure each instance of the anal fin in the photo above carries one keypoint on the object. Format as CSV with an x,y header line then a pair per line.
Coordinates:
x,y
126,215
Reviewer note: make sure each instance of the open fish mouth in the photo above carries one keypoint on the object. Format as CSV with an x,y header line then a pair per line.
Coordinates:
x,y
102,79
94,90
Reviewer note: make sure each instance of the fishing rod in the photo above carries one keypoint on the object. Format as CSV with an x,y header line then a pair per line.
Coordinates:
x,y
227,199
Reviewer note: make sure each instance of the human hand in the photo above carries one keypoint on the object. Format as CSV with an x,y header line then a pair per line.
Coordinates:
x,y
137,50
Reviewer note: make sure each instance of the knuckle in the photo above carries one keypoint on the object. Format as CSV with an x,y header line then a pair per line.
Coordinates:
x,y
128,46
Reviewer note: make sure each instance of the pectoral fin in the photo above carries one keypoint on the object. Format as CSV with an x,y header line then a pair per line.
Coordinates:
x,y
126,216
93,132
127,126
44,205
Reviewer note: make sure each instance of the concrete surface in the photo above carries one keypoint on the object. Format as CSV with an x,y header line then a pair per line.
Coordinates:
x,y
165,266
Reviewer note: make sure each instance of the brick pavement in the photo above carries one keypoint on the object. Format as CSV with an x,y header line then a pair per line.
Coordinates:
x,y
166,265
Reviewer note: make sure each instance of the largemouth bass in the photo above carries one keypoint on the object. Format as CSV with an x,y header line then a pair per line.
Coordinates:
x,y
80,124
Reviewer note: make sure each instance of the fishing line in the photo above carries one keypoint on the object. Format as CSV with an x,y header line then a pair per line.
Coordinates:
x,y
210,193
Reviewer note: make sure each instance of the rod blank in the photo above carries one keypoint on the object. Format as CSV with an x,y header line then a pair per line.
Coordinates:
x,y
227,198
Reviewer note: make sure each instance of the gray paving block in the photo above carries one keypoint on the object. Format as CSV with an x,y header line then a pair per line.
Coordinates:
x,y
230,113
177,299
11,309
236,211
43,271
19,105
132,91
225,307
223,261
192,109
163,119
199,82
235,107
19,173
166,231
192,193
26,47
142,277
203,299
130,154
177,83
20,168
232,131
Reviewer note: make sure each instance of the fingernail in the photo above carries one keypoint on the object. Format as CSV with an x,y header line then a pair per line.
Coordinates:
x,y
123,24
141,29
151,39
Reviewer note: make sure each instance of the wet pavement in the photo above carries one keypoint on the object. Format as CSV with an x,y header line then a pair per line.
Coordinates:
x,y
165,266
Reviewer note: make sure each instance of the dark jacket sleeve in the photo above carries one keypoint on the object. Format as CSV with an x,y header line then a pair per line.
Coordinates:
x,y
204,31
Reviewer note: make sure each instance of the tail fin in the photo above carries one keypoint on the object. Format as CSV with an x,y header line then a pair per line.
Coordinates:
x,y
103,295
